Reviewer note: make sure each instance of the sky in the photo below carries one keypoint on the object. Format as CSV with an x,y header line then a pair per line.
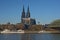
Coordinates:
x,y
44,11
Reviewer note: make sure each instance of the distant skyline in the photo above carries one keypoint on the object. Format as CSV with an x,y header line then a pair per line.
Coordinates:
x,y
44,11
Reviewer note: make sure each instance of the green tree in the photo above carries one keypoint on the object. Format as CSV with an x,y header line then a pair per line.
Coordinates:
x,y
36,27
55,23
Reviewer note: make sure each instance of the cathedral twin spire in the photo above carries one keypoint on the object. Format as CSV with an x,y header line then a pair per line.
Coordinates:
x,y
26,15
25,18
23,13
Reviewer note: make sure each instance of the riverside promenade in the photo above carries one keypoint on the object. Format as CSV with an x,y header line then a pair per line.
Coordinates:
x,y
24,32
42,31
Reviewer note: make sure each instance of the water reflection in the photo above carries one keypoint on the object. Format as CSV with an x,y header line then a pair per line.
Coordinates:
x,y
40,37
26,37
10,37
29,36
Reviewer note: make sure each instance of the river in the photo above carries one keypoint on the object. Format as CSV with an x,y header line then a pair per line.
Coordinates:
x,y
41,36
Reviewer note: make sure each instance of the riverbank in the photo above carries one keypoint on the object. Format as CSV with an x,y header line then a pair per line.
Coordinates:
x,y
42,31
11,32
28,31
32,32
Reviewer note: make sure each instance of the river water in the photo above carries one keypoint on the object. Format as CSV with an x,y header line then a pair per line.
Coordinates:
x,y
42,36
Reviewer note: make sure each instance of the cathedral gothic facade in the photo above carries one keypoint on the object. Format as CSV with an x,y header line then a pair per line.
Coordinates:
x,y
26,18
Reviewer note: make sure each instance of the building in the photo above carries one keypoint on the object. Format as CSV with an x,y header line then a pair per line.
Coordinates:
x,y
25,18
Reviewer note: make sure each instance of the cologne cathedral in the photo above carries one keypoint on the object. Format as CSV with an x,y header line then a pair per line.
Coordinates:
x,y
26,19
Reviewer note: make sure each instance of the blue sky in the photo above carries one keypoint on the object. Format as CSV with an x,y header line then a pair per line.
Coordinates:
x,y
44,11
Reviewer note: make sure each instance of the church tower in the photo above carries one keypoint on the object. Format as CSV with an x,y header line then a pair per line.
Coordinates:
x,y
23,15
28,13
26,19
